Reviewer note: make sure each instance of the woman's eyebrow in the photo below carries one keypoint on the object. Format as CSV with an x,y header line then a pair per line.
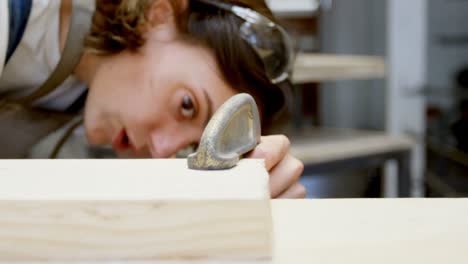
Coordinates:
x,y
209,103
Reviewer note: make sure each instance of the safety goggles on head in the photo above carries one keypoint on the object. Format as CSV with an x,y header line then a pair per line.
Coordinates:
x,y
270,41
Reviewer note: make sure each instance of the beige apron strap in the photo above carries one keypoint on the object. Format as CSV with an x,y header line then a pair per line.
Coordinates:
x,y
21,128
80,25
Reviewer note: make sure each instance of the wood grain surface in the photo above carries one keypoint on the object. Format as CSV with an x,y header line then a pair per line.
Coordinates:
x,y
404,231
139,210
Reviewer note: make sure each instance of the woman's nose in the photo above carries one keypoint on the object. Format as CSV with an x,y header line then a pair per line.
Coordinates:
x,y
165,144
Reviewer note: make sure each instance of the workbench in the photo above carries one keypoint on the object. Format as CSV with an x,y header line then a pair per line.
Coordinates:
x,y
139,212
364,232
371,231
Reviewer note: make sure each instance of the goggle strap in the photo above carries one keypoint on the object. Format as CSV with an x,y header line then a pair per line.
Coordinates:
x,y
223,6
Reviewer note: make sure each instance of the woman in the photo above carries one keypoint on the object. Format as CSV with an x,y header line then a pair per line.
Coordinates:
x,y
156,72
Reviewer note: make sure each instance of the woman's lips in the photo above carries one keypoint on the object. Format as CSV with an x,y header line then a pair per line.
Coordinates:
x,y
121,142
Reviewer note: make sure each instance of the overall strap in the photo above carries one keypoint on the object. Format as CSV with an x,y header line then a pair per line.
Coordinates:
x,y
80,25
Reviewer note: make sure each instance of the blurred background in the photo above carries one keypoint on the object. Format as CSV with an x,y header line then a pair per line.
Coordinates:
x,y
380,96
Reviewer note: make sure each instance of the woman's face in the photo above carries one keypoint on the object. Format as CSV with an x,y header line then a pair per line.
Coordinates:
x,y
156,101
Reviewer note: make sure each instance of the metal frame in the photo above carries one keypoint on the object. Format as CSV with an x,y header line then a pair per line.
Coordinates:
x,y
401,157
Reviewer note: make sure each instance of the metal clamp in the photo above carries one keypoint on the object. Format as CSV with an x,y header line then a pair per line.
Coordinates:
x,y
233,131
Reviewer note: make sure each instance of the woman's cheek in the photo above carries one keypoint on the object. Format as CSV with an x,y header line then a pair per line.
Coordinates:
x,y
95,125
95,135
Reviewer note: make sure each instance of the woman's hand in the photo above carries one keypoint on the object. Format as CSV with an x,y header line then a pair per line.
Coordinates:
x,y
284,169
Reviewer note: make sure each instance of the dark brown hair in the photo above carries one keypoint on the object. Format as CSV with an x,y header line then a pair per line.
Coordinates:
x,y
117,26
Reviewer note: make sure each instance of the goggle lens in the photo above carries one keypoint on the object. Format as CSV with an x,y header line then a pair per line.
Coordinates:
x,y
273,45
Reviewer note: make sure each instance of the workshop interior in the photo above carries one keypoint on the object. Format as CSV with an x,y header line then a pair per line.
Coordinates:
x,y
379,98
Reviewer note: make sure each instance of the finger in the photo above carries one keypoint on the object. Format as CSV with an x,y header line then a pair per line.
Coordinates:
x,y
297,191
285,175
271,148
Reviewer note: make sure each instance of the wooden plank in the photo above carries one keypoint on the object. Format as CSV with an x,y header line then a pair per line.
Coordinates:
x,y
413,231
386,231
314,67
140,210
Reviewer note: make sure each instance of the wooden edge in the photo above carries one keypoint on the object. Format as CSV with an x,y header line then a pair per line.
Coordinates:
x,y
141,210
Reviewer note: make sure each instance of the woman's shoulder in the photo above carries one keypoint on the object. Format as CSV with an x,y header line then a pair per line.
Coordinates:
x,y
4,24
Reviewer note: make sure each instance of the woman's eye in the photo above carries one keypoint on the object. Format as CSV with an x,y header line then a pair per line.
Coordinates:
x,y
188,108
